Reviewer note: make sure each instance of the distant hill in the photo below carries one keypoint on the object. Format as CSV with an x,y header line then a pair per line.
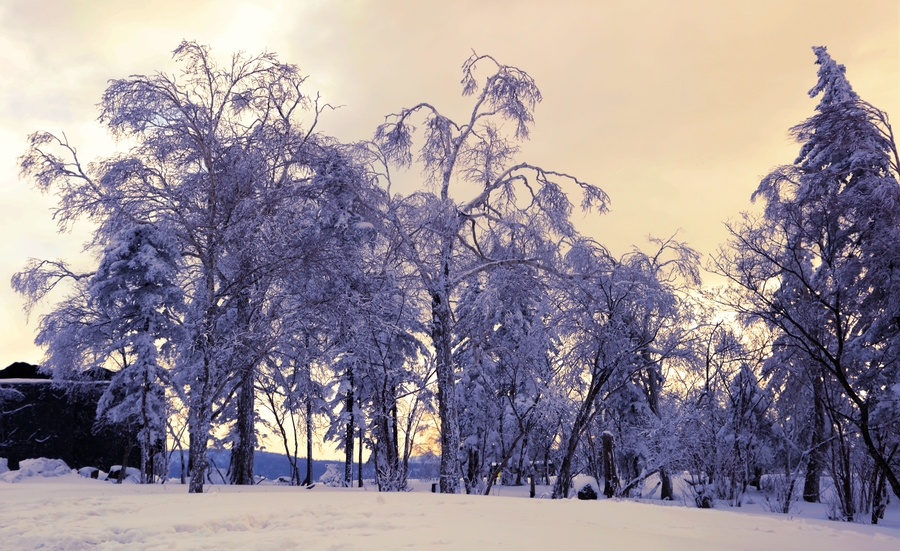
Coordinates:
x,y
267,464
272,465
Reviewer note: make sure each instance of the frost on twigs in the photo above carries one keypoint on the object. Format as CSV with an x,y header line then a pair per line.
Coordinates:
x,y
395,141
510,92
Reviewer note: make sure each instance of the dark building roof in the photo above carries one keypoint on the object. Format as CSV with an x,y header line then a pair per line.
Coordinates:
x,y
22,370
46,419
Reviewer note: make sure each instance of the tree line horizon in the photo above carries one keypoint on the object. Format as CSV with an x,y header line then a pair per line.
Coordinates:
x,y
247,262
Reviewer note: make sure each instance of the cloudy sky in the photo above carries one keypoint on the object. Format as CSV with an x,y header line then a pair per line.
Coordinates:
x,y
675,109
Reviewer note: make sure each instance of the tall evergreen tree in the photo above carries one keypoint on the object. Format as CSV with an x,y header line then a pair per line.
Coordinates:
x,y
136,286
821,264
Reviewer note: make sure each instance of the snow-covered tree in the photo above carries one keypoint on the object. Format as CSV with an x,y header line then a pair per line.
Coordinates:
x,y
375,334
222,160
136,286
620,319
392,387
476,192
820,265
505,354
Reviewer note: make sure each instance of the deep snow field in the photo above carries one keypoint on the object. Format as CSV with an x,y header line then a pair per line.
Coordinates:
x,y
72,512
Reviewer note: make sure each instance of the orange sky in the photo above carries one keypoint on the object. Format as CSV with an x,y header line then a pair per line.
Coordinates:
x,y
675,109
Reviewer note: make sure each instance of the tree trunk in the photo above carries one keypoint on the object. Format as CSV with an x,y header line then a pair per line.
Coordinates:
x,y
348,440
521,466
359,465
199,425
472,469
309,447
611,483
146,477
811,490
564,476
665,492
181,453
124,468
397,464
879,495
546,472
199,462
395,433
241,466
441,338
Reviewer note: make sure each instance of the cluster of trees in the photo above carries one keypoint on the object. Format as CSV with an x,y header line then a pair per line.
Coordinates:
x,y
248,263
819,269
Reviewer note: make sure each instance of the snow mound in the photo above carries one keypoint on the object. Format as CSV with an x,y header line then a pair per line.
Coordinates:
x,y
584,485
89,472
4,465
131,474
332,476
36,467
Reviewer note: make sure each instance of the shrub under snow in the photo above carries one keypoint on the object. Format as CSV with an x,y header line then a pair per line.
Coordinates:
x,y
36,467
586,487
332,476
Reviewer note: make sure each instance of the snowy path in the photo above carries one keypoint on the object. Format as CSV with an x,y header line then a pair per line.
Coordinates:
x,y
74,513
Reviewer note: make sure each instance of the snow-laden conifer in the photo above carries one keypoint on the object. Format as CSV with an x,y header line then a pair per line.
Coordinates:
x,y
820,266
136,285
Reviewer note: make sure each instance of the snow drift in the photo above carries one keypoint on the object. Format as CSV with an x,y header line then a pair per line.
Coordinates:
x,y
74,513
36,467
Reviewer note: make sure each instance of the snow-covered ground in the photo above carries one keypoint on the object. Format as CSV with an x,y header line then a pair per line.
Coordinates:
x,y
72,512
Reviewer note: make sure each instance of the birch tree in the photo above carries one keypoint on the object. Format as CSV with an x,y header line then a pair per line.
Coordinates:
x,y
221,157
476,192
